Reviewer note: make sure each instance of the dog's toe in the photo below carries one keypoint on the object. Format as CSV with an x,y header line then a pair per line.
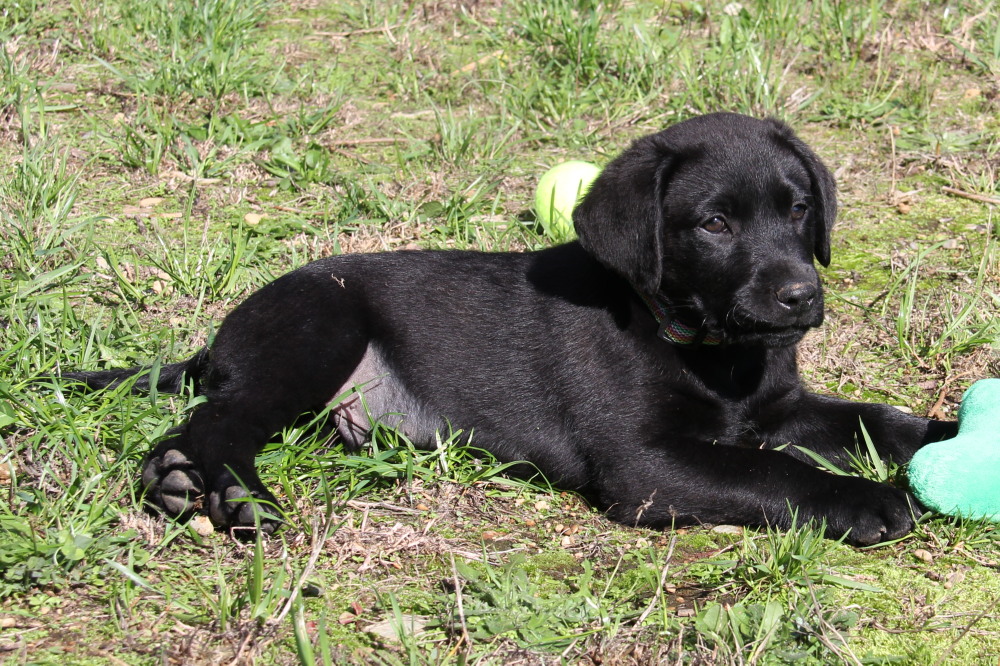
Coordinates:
x,y
236,504
180,490
173,482
176,483
870,513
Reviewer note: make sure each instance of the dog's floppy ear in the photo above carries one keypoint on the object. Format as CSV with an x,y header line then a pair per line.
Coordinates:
x,y
824,191
620,219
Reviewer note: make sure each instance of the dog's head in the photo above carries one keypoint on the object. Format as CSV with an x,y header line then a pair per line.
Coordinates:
x,y
719,217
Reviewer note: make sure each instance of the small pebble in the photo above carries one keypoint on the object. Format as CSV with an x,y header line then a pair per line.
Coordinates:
x,y
202,526
727,529
953,579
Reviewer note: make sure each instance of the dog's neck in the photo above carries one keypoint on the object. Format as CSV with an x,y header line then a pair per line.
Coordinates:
x,y
675,331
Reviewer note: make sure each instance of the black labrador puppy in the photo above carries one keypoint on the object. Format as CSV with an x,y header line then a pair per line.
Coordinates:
x,y
649,366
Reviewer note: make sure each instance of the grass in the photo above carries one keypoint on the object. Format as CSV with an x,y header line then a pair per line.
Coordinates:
x,y
161,160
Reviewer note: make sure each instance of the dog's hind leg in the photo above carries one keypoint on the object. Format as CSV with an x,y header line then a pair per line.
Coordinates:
x,y
286,351
209,461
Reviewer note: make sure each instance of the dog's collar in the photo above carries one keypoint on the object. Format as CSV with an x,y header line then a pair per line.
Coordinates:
x,y
675,331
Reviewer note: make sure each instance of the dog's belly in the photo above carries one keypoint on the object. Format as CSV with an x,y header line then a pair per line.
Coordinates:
x,y
376,395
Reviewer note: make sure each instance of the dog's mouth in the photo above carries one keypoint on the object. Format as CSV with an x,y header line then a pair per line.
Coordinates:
x,y
778,337
693,326
754,333
746,330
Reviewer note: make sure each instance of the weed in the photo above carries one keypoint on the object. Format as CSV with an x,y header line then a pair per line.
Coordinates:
x,y
780,561
16,16
504,602
198,48
983,51
41,187
846,27
958,325
785,609
58,529
744,61
578,58
146,140
800,631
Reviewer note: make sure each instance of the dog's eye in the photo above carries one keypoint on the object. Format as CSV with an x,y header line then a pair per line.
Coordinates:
x,y
799,211
715,224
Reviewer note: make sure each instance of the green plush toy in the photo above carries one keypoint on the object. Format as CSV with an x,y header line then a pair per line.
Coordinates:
x,y
961,476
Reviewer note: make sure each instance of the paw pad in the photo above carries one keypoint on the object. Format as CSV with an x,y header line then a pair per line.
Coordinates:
x,y
173,482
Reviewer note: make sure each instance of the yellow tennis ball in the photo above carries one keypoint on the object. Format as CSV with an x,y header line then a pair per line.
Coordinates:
x,y
559,190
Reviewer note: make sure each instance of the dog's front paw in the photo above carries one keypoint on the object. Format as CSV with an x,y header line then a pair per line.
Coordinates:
x,y
242,501
173,480
867,512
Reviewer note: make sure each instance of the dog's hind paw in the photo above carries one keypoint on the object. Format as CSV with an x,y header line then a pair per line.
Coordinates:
x,y
177,483
173,482
243,503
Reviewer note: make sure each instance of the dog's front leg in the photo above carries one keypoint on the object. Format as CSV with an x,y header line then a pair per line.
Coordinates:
x,y
832,427
685,483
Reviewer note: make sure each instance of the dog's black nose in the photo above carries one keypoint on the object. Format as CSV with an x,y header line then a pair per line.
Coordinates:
x,y
796,295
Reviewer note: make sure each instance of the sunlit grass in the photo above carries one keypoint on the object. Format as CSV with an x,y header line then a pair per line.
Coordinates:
x,y
162,160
